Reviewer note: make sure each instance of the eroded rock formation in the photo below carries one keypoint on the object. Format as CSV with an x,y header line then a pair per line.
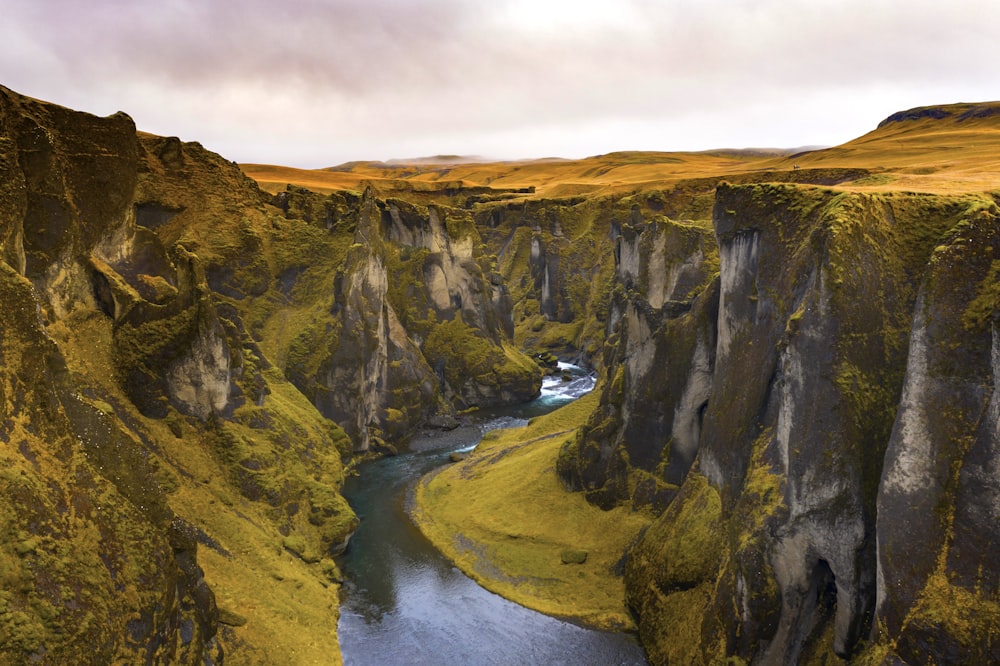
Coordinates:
x,y
803,388
417,328
830,501
659,357
158,309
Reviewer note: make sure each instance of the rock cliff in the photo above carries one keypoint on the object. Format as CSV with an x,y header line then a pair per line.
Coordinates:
x,y
418,327
823,423
798,380
185,362
659,356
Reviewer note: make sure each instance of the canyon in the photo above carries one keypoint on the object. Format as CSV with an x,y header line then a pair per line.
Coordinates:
x,y
797,360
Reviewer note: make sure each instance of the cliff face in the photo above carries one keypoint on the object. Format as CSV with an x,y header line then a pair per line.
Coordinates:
x,y
555,258
418,325
940,478
87,528
830,500
659,357
803,389
93,553
184,363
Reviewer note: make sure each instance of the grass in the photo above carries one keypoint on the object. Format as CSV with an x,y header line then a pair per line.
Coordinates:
x,y
290,605
505,519
602,174
957,153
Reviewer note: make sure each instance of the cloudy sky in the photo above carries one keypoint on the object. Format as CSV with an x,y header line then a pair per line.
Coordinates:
x,y
313,83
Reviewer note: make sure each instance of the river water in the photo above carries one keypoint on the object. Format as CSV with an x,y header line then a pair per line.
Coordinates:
x,y
403,603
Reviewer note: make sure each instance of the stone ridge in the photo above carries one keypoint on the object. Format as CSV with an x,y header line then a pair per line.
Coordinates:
x,y
827,402
187,361
93,554
960,112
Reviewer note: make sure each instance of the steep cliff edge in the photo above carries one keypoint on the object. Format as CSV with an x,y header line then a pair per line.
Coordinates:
x,y
830,523
179,352
639,444
417,326
799,378
94,553
803,385
941,479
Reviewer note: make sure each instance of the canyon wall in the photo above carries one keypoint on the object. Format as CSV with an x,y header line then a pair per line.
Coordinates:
x,y
186,361
413,326
819,421
799,381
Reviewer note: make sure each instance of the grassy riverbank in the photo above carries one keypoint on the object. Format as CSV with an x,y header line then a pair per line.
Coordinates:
x,y
505,519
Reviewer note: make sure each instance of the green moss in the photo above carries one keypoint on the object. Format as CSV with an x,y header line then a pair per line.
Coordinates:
x,y
671,573
465,354
688,542
762,492
558,336
310,349
617,387
967,617
506,520
984,307
151,342
296,545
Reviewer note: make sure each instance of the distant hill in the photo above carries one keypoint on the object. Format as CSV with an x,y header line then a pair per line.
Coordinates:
x,y
941,148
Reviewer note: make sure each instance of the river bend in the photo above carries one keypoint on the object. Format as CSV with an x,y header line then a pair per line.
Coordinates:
x,y
404,603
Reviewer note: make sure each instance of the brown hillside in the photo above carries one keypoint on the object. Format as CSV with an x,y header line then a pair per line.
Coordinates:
x,y
945,148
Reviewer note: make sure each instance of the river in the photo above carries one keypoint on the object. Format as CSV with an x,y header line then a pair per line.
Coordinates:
x,y
403,603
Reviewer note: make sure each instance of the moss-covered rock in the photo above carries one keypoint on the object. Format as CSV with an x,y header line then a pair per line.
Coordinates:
x,y
372,358
140,417
817,292
800,378
480,372
939,601
92,554
640,443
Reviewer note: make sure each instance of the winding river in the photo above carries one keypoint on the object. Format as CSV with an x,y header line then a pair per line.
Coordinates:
x,y
404,603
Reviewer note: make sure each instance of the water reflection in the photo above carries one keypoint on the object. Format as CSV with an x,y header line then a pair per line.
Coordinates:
x,y
403,603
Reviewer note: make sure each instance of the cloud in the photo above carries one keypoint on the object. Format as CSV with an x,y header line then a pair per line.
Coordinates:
x,y
313,82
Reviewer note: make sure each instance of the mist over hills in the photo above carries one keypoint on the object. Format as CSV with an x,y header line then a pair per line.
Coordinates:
x,y
934,148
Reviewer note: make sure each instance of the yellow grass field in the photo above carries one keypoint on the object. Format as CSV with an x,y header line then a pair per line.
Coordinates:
x,y
506,520
958,152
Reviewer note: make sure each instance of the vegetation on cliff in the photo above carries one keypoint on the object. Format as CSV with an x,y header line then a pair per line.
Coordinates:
x,y
835,384
173,339
505,519
798,371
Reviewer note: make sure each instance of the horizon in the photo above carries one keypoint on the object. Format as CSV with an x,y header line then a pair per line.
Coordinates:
x,y
421,160
312,85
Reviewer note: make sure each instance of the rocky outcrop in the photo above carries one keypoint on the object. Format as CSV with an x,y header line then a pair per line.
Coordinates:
x,y
372,366
128,369
763,414
556,258
162,303
93,554
174,351
940,480
455,306
640,443
416,329
803,389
